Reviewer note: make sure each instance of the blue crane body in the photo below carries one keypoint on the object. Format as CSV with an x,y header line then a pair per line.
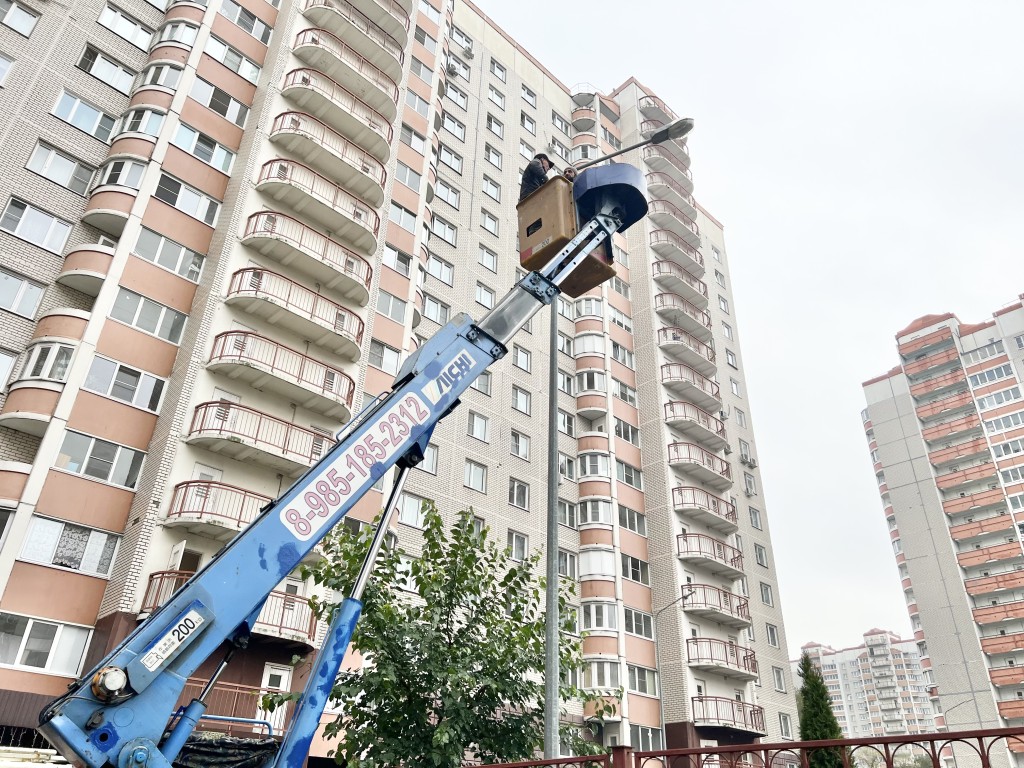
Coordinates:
x,y
121,713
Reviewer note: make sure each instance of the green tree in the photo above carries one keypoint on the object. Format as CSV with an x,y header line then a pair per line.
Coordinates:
x,y
817,720
455,641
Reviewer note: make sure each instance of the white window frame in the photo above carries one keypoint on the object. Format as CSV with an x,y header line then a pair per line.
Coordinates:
x,y
410,510
127,460
48,667
188,200
518,493
60,168
103,379
521,400
475,476
176,320
520,445
19,18
108,70
44,551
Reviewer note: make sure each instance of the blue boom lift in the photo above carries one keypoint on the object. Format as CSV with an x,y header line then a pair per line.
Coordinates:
x,y
121,713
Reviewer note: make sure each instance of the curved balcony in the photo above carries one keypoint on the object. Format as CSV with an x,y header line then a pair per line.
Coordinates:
x,y
352,167
322,201
109,207
724,658
668,216
417,309
717,604
374,44
285,616
292,243
721,712
245,434
339,108
584,118
694,460
654,108
86,267
696,422
270,366
669,245
340,62
211,509
679,281
391,16
663,186
660,159
711,554
583,93
714,512
689,349
294,307
678,146
684,381
30,406
682,313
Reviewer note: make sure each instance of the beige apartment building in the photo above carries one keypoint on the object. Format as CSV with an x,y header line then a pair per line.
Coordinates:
x,y
224,226
946,428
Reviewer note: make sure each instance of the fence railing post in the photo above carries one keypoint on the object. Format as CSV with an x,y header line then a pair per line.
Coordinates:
x,y
621,757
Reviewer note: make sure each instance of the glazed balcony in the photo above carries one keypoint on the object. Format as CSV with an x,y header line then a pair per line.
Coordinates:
x,y
979,527
323,202
679,281
678,311
702,464
971,449
668,216
284,616
294,307
323,51
721,712
660,159
716,604
683,381
926,343
943,358
999,553
325,261
711,554
270,366
344,162
938,384
986,585
687,349
664,187
993,614
86,267
714,512
246,434
696,422
367,38
948,405
654,108
670,246
962,426
978,474
979,501
583,118
721,657
1003,643
212,509
339,108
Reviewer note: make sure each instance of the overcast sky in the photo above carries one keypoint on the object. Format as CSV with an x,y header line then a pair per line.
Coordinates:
x,y
867,162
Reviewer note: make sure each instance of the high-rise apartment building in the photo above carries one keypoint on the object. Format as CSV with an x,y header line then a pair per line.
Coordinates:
x,y
945,431
226,223
877,688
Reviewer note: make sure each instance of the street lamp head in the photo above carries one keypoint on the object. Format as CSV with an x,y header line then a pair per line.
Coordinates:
x,y
674,130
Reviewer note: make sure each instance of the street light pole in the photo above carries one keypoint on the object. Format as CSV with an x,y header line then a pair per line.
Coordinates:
x,y
686,595
674,130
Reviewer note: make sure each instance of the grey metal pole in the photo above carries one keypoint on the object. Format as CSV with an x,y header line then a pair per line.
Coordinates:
x,y
552,674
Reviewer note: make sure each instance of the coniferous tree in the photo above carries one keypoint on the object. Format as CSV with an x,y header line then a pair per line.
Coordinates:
x,y
817,720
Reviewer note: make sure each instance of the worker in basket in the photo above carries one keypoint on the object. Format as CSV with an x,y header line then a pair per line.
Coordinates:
x,y
535,175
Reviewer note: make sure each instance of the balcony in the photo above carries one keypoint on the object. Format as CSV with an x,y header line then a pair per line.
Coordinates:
x,y
687,349
330,102
678,146
958,401
668,216
975,501
978,474
30,406
284,616
678,311
1003,643
241,701
679,281
85,268
583,93
665,187
270,366
999,553
389,15
327,262
702,464
323,202
1011,710
986,585
961,426
717,604
723,658
323,51
943,358
711,554
296,308
968,450
714,512
355,169
214,510
718,711
943,336
685,382
375,45
695,422
245,434
1003,676
670,246
661,160
994,614
938,384
654,108
583,118
977,528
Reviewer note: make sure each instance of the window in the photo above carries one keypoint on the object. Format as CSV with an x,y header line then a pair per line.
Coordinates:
x,y
422,71
60,168
140,121
620,286
560,123
565,382
779,677
521,400
639,623
983,353
413,139
565,344
498,70
591,381
566,467
435,310
595,465
219,101
410,510
560,149
723,304
444,230
526,150
396,260
482,383
202,146
623,355
17,17
595,511
496,97
168,254
761,555
387,359
632,520
642,680
163,75
627,431
403,217
429,463
492,156
717,254
106,69
6,366
475,476
990,375
391,306
621,319
105,461
187,200
148,316
529,96
518,493
495,126
755,518
567,564
457,67
518,545
124,26
589,305
46,645
528,123
448,193
417,102
458,96
766,594
520,445
589,344
601,674
18,294
124,173
635,569
734,387
749,484
450,158
492,189
521,358
566,423
489,222
84,117
178,32
53,542
646,738
600,616
479,426
772,633
998,398
113,379
462,38
233,60
455,127
623,392
35,225
42,361
246,20
441,269
5,68
741,418
785,726
566,513
488,258
407,176
727,331
730,358
629,475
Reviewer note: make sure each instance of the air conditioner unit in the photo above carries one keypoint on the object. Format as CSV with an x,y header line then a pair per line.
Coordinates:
x,y
468,52
727,449
749,494
744,459
551,146
452,69
723,415
752,462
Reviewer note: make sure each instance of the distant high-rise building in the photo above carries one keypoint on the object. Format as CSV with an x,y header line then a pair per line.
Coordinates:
x,y
225,223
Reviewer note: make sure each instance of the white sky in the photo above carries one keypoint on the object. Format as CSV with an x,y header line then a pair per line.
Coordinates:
x,y
866,161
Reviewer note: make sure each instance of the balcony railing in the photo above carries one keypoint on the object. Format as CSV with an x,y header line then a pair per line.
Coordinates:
x,y
299,122
667,237
940,336
660,151
324,39
676,410
324,190
240,423
342,97
221,503
666,208
679,336
653,102
671,269
678,372
364,24
701,545
672,301
707,597
650,126
711,651
655,178
161,586
942,357
718,710
241,701
685,497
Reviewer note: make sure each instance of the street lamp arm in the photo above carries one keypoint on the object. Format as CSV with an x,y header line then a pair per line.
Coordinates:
x,y
675,130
